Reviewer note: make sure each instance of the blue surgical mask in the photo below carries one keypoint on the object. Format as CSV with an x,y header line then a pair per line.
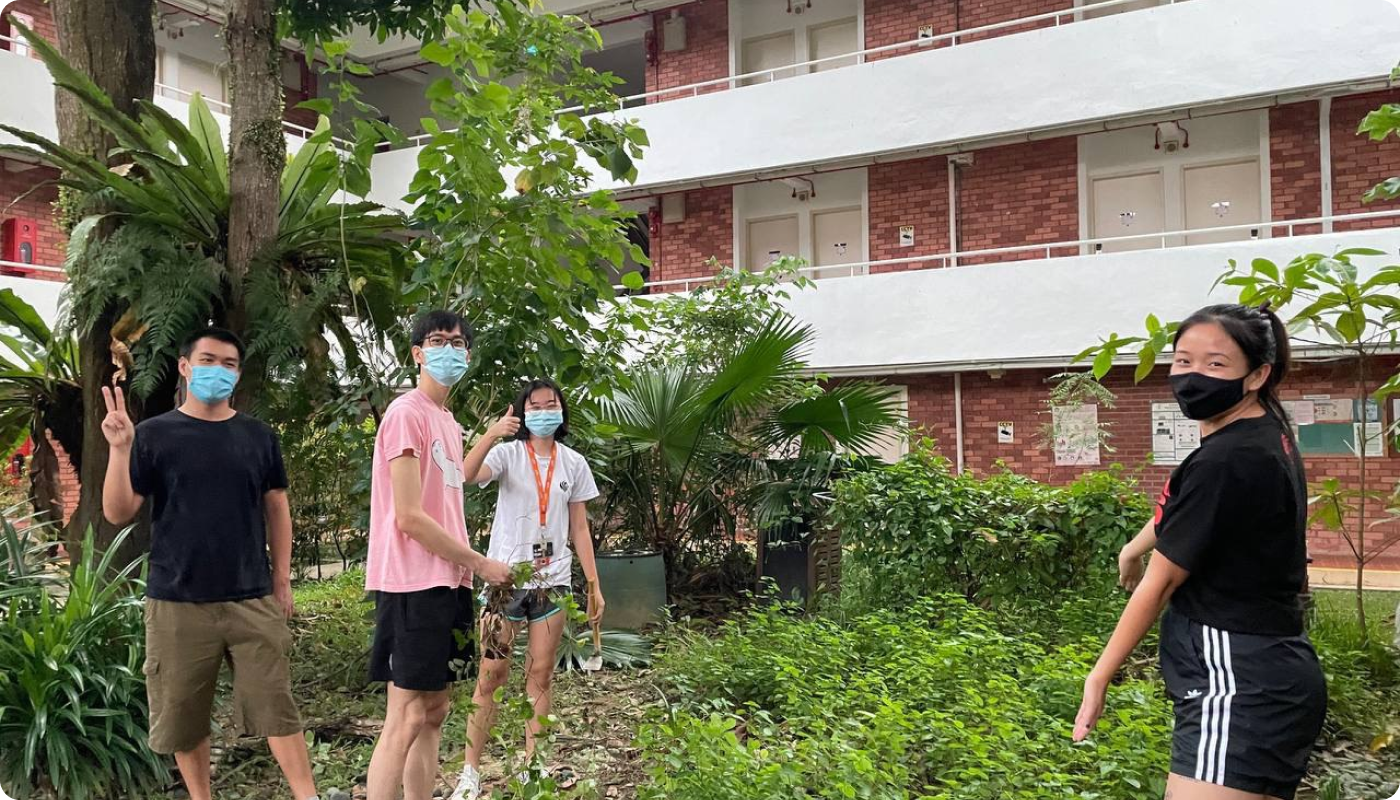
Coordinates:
x,y
446,364
212,384
544,423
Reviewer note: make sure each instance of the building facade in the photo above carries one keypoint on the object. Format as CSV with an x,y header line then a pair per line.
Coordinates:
x,y
981,188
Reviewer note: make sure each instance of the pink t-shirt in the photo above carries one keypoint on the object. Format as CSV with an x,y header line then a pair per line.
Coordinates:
x,y
415,426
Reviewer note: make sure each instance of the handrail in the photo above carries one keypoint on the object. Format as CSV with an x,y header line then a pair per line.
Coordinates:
x,y
951,37
20,265
950,259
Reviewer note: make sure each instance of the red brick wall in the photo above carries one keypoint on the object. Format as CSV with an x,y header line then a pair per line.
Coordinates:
x,y
909,193
1019,194
890,22
41,13
1295,164
69,487
37,205
976,13
1359,163
706,53
1019,396
681,249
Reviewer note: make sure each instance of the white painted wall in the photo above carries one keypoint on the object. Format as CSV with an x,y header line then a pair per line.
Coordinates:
x,y
1002,314
43,295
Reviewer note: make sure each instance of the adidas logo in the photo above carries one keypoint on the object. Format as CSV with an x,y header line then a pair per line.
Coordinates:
x,y
1193,694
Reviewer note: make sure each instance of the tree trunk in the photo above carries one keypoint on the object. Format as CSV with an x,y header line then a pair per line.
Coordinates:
x,y
44,482
113,43
258,154
1361,554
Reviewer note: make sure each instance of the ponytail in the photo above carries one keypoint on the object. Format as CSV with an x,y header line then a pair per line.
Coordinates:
x,y
1280,366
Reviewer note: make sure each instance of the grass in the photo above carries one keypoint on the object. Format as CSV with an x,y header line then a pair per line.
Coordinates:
x,y
598,714
1380,606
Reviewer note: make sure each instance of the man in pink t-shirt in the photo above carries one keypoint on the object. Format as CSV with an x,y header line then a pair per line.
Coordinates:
x,y
421,562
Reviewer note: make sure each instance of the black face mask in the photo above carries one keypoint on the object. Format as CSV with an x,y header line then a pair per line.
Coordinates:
x,y
1204,397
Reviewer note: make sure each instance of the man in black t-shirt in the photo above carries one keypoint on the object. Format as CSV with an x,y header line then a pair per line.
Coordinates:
x,y
219,502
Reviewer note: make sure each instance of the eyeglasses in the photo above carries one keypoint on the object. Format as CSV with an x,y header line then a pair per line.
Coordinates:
x,y
456,343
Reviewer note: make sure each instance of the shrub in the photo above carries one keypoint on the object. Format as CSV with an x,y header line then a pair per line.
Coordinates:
x,y
72,695
914,529
932,701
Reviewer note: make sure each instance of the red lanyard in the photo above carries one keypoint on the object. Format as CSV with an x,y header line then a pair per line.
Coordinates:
x,y
543,488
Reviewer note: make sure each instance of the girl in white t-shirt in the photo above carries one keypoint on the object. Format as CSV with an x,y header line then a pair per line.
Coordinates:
x,y
540,518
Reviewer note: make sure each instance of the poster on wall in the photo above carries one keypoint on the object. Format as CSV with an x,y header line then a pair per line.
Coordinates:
x,y
1076,436
1174,435
1327,425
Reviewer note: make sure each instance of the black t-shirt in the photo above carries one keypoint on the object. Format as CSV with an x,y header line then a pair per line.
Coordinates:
x,y
1234,515
205,482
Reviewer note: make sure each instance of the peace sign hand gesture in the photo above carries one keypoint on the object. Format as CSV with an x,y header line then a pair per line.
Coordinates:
x,y
116,426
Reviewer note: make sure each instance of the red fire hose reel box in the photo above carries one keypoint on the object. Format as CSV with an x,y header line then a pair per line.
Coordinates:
x,y
19,238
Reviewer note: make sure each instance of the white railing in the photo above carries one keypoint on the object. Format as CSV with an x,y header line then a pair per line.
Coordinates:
x,y
951,39
179,95
953,259
7,267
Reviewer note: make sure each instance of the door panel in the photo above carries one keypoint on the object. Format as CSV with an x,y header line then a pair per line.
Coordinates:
x,y
832,39
1127,206
1221,195
768,52
771,239
836,239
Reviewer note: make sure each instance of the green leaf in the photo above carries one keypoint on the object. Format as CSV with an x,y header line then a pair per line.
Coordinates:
x,y
437,53
440,89
320,105
1103,362
633,281
1265,267
210,137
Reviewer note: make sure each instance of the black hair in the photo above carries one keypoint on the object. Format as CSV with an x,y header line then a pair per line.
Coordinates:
x,y
218,335
439,321
1261,335
519,408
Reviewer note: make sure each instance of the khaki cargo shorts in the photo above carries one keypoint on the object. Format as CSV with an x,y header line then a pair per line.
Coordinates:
x,y
187,644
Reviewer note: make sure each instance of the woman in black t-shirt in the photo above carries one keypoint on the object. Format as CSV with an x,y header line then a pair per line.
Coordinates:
x,y
1230,538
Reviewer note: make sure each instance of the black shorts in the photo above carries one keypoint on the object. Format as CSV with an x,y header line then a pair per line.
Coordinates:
x,y
424,641
1248,708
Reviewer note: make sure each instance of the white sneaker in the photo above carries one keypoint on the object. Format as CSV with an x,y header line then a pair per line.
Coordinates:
x,y
468,784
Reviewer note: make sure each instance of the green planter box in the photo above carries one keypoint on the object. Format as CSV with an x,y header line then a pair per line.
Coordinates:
x,y
634,585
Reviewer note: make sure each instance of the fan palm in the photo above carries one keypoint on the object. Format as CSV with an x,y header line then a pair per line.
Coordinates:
x,y
696,452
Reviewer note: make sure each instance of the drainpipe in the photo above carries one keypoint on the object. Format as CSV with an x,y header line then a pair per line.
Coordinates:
x,y
955,162
1324,138
958,418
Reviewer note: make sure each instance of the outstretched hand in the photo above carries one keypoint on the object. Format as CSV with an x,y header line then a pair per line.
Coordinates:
x,y
116,426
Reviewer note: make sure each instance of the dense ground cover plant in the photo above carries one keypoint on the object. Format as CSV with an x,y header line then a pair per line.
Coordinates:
x,y
916,529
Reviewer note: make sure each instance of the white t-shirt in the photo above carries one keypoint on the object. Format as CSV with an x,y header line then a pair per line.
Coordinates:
x,y
516,535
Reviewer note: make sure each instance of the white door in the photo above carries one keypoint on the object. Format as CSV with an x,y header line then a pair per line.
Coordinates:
x,y
1126,206
830,40
836,239
769,52
770,240
890,449
1221,195
203,77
